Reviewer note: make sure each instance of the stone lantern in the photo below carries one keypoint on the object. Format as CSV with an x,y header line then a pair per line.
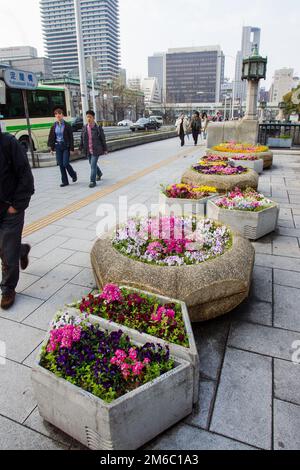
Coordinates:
x,y
262,107
280,116
254,69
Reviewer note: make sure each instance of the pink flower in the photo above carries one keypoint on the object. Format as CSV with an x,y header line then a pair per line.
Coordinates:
x,y
157,317
170,313
111,293
132,354
64,337
121,355
137,368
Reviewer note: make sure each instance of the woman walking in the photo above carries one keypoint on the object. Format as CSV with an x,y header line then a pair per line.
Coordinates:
x,y
182,128
196,126
61,141
204,125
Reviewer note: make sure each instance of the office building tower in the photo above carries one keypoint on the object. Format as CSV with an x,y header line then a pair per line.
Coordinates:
x,y
283,82
194,75
17,53
250,38
151,89
100,29
157,69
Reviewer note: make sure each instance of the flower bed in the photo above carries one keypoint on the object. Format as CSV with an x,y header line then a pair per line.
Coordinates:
x,y
146,319
248,161
215,279
247,211
107,378
184,199
223,178
239,147
172,241
240,150
215,158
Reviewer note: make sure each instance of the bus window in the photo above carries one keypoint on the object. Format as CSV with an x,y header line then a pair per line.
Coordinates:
x,y
38,103
14,107
58,100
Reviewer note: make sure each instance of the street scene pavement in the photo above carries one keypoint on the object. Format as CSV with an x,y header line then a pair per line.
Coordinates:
x,y
249,380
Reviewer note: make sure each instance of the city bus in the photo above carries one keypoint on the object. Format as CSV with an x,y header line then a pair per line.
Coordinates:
x,y
41,103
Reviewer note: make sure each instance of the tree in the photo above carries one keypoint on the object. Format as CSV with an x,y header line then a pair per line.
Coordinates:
x,y
290,100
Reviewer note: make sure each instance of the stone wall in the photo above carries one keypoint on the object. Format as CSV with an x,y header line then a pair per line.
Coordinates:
x,y
240,131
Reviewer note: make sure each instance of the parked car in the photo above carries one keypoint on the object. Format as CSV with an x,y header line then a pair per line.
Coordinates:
x,y
145,124
125,123
159,119
77,124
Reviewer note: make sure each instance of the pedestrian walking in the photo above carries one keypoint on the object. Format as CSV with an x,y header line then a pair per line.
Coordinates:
x,y
182,126
61,141
16,189
195,126
217,117
205,122
93,145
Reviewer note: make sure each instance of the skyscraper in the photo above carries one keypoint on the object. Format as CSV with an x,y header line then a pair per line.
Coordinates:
x,y
157,69
250,37
194,74
100,27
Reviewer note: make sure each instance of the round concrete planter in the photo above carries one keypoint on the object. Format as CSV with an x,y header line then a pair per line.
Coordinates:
x,y
181,207
104,426
267,157
222,182
209,289
256,165
252,225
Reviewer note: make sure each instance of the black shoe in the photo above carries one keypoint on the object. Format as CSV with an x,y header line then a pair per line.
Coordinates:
x,y
75,178
24,261
63,185
99,177
8,300
92,185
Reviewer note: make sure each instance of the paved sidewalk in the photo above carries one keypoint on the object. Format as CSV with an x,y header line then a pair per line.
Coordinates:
x,y
249,387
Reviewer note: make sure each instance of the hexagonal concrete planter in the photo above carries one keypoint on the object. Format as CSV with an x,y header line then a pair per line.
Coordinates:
x,y
125,424
189,354
221,182
180,207
252,225
209,289
267,157
255,165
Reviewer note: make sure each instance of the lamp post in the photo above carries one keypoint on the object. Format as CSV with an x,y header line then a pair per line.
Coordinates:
x,y
82,70
254,69
280,116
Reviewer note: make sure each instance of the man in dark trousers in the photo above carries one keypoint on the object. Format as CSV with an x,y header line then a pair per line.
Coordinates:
x,y
16,189
61,141
93,145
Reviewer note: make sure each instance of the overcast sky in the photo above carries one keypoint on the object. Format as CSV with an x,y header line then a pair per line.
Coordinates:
x,y
149,26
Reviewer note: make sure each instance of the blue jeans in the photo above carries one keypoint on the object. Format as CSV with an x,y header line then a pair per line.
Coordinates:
x,y
95,170
63,160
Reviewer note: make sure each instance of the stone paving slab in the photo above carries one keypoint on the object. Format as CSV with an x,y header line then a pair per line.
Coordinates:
x,y
286,278
254,312
36,423
42,266
184,437
23,307
202,412
243,408
287,307
286,426
16,395
287,381
272,342
20,339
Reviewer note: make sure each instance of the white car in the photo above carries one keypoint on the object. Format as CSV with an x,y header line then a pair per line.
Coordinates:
x,y
159,119
125,123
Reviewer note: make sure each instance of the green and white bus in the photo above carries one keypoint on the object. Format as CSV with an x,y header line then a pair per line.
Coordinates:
x,y
41,103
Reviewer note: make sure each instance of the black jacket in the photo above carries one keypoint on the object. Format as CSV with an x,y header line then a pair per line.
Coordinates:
x,y
98,138
68,137
16,180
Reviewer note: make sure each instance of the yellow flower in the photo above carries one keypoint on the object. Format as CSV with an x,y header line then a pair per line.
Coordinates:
x,y
205,189
240,148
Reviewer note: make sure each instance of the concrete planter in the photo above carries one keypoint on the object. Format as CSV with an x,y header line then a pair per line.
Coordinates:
x,y
223,183
189,354
256,165
209,289
125,424
180,207
252,225
281,143
267,157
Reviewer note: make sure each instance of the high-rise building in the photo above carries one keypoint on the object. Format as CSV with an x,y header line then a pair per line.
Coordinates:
x,y
283,82
16,53
194,75
134,83
100,29
250,38
157,69
151,89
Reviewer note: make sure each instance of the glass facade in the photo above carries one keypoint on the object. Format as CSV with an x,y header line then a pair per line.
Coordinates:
x,y
194,77
100,27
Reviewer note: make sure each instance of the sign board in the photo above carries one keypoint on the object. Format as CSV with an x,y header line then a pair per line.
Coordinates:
x,y
2,92
20,79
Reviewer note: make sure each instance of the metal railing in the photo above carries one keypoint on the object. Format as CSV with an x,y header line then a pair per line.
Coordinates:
x,y
279,134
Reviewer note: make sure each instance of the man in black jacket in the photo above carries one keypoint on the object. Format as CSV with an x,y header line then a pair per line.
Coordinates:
x,y
61,141
16,189
93,145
